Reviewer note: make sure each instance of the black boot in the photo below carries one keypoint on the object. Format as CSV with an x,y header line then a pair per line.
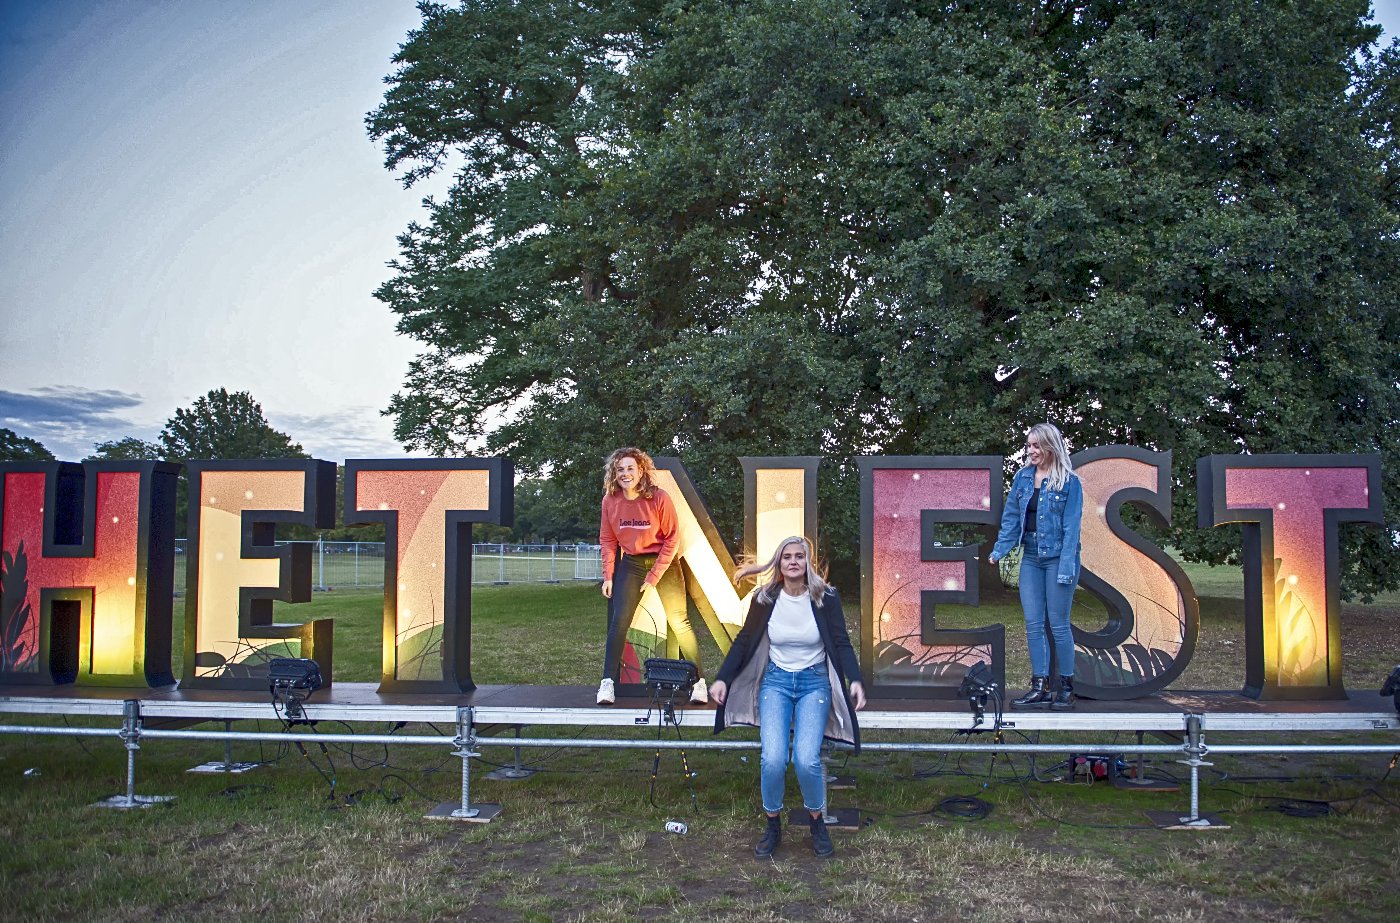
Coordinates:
x,y
821,839
1064,696
772,836
1037,697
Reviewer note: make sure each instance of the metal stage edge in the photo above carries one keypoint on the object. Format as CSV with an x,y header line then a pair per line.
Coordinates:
x,y
572,706
1186,715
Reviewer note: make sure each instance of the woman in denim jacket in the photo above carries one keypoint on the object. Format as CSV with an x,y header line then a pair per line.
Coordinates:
x,y
1042,513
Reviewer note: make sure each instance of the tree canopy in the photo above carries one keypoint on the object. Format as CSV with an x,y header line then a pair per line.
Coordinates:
x,y
224,425
817,227
127,448
14,447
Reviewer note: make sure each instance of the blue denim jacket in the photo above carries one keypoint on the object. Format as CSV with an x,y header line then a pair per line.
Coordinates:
x,y
1056,522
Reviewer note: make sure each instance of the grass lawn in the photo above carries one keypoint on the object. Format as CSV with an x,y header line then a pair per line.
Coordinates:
x,y
579,840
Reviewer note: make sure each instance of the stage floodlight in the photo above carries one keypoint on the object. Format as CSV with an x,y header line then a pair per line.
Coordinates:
x,y
291,680
977,686
665,675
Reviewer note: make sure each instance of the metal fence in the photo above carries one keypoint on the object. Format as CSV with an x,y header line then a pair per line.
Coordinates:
x,y
337,565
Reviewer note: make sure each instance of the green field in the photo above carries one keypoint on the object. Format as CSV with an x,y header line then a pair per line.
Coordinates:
x,y
1312,838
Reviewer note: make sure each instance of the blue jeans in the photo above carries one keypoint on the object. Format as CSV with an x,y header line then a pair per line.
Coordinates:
x,y
801,702
1044,600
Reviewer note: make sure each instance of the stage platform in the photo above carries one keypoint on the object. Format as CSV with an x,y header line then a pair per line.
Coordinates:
x,y
574,706
489,714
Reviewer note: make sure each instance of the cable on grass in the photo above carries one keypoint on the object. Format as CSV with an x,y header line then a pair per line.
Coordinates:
x,y
79,739
963,807
1321,807
1300,807
1031,799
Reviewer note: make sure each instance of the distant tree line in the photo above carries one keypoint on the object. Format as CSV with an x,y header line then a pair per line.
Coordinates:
x,y
223,424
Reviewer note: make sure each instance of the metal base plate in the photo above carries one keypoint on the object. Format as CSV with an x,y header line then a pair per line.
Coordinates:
x,y
836,818
840,783
122,803
509,774
221,766
1143,785
1175,820
484,813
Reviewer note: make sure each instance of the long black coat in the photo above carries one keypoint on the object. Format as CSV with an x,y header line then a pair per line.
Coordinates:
x,y
742,670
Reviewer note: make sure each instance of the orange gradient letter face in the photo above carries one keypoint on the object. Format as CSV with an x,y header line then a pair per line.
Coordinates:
x,y
906,571
88,571
428,507
1153,616
1289,507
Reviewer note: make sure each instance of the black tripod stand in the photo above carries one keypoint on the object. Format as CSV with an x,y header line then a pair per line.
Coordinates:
x,y
666,714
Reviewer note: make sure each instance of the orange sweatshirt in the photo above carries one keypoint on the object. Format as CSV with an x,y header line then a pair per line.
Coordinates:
x,y
640,526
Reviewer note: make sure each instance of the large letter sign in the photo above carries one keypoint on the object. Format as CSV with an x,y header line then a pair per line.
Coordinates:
x,y
88,572
906,572
1290,506
428,507
236,569
1153,614
87,558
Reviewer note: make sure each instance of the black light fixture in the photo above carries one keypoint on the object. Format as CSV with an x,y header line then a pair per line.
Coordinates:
x,y
670,676
291,680
1392,686
977,686
668,680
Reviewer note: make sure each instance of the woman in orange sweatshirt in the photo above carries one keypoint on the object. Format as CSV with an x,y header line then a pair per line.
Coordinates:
x,y
640,538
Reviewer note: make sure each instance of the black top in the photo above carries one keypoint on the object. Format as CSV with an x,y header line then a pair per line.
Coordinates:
x,y
1031,509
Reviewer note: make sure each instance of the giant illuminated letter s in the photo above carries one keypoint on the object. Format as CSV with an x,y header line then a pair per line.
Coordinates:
x,y
236,569
1153,615
427,507
1289,507
88,572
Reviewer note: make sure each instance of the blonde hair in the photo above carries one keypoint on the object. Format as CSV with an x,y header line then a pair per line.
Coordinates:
x,y
1053,444
769,587
647,482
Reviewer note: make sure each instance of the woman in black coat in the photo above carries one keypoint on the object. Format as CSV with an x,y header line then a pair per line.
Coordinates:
x,y
787,672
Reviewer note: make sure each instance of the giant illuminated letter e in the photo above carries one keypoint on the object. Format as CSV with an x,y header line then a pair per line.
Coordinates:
x,y
906,572
235,568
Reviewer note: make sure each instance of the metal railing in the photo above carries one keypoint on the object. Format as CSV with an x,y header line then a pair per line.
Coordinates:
x,y
337,565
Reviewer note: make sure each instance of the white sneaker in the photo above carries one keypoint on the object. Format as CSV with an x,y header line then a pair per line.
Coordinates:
x,y
700,694
606,696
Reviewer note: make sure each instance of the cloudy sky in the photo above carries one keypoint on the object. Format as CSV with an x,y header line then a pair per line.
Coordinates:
x,y
188,201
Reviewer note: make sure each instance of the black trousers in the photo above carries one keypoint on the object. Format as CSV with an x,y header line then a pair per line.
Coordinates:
x,y
628,578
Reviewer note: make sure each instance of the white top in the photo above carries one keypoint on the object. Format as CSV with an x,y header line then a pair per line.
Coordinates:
x,y
793,640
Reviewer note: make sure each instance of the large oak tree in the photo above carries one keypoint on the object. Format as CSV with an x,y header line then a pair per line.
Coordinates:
x,y
819,227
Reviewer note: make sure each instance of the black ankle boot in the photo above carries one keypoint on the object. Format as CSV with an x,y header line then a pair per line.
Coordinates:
x,y
1064,696
772,836
1037,697
821,839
